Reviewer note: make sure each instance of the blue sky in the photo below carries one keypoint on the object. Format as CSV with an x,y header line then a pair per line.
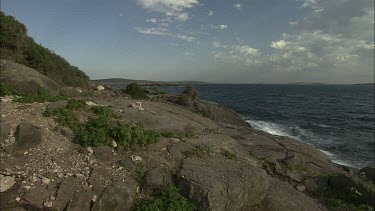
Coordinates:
x,y
233,41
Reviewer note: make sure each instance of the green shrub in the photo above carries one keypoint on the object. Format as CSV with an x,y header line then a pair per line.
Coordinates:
x,y
65,117
338,200
182,100
136,91
169,134
8,90
190,91
200,151
169,200
104,111
132,135
75,104
201,110
229,155
41,96
95,132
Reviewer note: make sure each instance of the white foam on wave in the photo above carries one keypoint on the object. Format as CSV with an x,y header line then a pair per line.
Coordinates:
x,y
281,130
269,127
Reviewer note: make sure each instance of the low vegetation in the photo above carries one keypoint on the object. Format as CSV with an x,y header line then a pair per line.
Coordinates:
x,y
199,151
136,91
170,199
338,200
99,130
229,155
41,96
169,134
190,91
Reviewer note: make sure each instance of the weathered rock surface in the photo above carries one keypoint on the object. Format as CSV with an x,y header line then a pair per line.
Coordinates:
x,y
157,179
5,129
281,196
119,196
81,201
27,136
56,105
217,183
65,193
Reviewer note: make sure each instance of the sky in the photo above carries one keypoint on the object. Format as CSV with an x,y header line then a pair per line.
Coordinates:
x,y
224,41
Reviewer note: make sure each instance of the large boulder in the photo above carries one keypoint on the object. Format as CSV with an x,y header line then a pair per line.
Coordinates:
x,y
26,79
360,189
65,193
119,196
27,136
368,173
218,183
284,197
156,179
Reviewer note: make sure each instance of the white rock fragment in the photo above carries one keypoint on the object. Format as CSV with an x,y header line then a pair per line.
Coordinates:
x,y
136,158
18,198
89,150
137,105
45,180
114,144
6,183
300,188
90,103
100,88
94,198
48,203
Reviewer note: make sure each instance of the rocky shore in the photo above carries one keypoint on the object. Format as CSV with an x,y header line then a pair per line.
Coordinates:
x,y
212,157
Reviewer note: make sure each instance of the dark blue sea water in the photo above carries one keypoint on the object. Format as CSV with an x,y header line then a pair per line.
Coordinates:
x,y
338,119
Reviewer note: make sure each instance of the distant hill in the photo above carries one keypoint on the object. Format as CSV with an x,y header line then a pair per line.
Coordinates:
x,y
307,83
365,84
17,46
110,81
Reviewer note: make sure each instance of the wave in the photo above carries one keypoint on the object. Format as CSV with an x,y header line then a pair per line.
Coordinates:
x,y
277,129
297,133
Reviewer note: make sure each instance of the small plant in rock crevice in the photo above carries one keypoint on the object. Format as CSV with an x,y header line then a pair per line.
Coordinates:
x,y
170,199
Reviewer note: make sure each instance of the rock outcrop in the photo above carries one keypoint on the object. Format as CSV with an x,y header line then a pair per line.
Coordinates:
x,y
27,79
217,183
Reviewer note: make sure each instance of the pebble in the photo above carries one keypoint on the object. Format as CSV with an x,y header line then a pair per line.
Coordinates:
x,y
52,198
78,175
90,150
300,188
94,198
136,158
45,180
114,144
48,203
18,198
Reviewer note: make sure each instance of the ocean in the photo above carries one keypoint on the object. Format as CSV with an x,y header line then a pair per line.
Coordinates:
x,y
337,119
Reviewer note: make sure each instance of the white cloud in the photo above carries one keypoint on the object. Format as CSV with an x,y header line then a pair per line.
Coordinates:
x,y
210,13
237,6
216,44
186,38
221,26
153,31
335,40
174,8
278,44
237,54
152,20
